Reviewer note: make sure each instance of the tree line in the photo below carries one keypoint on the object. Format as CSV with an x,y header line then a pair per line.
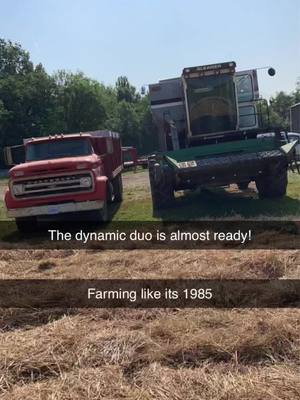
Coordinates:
x,y
34,103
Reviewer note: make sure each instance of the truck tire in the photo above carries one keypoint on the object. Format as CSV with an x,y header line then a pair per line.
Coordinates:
x,y
162,191
118,188
100,215
273,184
26,224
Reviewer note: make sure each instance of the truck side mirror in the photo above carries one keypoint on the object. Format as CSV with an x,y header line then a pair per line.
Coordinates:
x,y
271,71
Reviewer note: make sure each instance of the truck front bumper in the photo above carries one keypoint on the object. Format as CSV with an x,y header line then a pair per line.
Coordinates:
x,y
55,209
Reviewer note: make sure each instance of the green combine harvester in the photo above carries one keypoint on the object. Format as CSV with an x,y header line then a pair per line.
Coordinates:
x,y
212,132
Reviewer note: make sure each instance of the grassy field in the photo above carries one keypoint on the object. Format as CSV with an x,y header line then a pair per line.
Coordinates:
x,y
214,203
149,354
3,184
172,354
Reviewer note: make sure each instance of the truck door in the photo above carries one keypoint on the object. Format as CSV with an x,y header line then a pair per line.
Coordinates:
x,y
247,95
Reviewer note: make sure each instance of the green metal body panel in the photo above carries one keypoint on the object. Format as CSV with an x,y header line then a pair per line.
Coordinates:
x,y
222,149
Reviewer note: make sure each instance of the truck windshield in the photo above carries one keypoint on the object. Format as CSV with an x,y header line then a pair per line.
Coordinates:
x,y
58,149
212,104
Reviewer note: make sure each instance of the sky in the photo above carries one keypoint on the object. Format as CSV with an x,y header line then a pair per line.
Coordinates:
x,y
148,40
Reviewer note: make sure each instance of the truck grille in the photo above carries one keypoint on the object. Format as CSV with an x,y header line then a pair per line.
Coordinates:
x,y
53,186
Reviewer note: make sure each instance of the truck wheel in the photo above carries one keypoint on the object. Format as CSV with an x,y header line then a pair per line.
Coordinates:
x,y
26,224
273,184
243,185
162,191
118,188
100,215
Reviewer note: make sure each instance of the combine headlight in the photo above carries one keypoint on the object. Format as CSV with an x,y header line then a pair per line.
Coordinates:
x,y
18,189
86,182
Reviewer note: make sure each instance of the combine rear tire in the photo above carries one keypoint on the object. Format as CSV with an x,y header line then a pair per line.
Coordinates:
x,y
273,184
162,191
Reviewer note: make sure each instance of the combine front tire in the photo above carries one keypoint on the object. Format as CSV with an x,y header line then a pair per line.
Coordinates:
x,y
162,191
273,184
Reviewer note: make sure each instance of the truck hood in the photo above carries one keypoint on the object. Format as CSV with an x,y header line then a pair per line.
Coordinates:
x,y
56,165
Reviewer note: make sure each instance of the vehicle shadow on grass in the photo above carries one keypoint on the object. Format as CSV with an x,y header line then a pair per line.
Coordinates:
x,y
221,204
69,223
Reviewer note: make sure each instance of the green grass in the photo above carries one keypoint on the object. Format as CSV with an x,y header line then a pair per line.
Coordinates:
x,y
2,211
3,184
132,170
217,203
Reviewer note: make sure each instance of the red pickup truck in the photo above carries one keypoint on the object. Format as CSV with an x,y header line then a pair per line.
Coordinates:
x,y
66,174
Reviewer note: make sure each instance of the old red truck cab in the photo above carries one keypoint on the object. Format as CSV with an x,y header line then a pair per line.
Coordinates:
x,y
65,174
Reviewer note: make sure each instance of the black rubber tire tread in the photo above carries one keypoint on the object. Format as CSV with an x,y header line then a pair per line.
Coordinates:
x,y
100,215
273,184
243,185
26,224
118,188
162,191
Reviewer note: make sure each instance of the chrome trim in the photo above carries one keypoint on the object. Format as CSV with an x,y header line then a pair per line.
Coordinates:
x,y
117,171
40,177
63,208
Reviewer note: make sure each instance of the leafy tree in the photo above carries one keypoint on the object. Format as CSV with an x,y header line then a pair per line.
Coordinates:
x,y
126,122
280,106
25,94
269,118
125,91
80,103
13,59
148,137
296,93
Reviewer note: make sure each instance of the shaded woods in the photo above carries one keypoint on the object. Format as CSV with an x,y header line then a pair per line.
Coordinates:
x,y
34,103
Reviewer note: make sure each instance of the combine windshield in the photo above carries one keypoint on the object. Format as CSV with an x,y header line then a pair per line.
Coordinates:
x,y
212,104
58,149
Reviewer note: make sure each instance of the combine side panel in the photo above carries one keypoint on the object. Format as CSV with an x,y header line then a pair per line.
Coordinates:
x,y
167,104
295,118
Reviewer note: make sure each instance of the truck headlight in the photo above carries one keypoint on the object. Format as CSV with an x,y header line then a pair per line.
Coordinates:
x,y
86,182
18,189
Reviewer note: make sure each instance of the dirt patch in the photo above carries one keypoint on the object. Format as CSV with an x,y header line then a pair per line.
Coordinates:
x,y
139,179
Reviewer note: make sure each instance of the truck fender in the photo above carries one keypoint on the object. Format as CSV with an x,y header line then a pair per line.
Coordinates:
x,y
102,186
7,197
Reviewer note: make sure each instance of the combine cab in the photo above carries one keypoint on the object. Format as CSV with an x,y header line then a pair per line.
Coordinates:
x,y
211,134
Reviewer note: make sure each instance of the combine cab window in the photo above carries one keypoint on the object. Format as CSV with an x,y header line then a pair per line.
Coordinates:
x,y
58,149
247,117
244,88
212,104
